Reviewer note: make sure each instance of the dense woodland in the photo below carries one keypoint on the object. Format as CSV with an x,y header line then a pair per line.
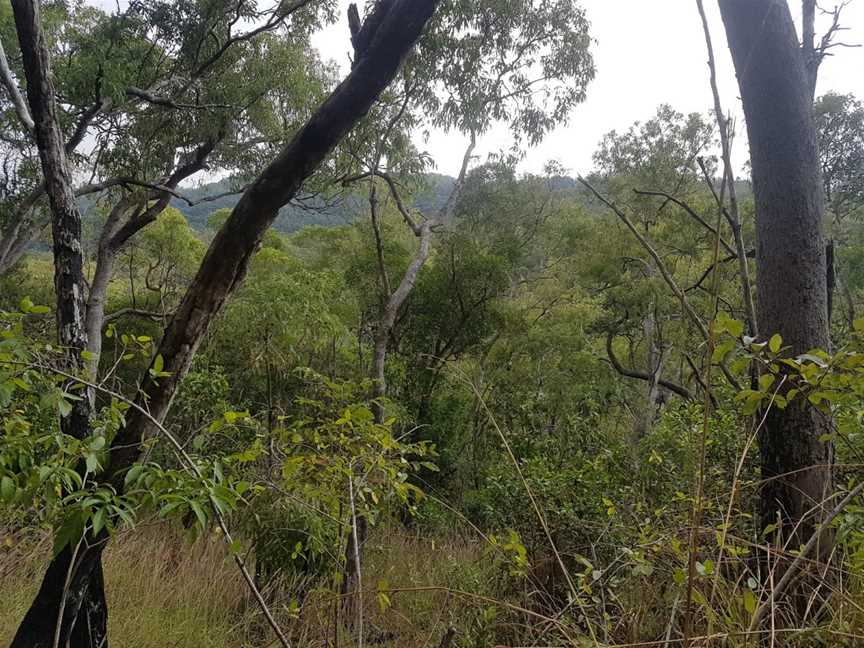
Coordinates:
x,y
269,378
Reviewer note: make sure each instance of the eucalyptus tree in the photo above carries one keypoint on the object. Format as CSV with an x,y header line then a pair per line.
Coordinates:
x,y
205,90
776,77
521,62
653,170
390,30
840,129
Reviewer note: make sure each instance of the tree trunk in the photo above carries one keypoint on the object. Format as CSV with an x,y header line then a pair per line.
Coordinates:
x,y
82,568
791,265
85,613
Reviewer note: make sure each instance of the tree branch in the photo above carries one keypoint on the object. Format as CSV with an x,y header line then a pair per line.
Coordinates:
x,y
14,93
690,211
733,215
670,281
228,257
683,392
137,312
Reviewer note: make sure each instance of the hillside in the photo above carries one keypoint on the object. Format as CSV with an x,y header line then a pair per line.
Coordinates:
x,y
293,217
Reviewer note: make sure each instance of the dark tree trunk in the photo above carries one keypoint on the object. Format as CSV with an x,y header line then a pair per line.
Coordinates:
x,y
791,267
398,26
85,614
83,568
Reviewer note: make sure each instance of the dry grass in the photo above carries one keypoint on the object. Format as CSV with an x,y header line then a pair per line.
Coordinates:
x,y
166,592
162,591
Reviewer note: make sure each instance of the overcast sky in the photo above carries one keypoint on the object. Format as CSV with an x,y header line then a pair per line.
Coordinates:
x,y
647,52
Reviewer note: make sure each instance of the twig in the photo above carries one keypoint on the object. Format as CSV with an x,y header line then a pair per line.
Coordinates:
x,y
689,210
670,281
359,591
683,392
732,215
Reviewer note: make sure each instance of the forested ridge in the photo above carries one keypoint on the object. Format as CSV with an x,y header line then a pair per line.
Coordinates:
x,y
270,377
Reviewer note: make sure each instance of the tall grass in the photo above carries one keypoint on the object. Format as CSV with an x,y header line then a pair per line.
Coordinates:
x,y
162,591
165,591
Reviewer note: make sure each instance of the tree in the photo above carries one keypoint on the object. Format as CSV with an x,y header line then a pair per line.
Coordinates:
x,y
840,130
467,74
389,32
89,599
790,256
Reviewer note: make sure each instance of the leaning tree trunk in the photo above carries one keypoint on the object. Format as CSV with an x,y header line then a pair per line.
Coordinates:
x,y
52,619
390,33
791,266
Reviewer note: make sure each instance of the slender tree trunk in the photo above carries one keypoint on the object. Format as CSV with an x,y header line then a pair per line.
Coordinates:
x,y
81,568
791,264
13,245
96,308
654,361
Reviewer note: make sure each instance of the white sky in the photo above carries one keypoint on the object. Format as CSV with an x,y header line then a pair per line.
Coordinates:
x,y
647,52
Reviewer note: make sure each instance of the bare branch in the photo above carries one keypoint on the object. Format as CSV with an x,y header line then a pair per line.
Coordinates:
x,y
166,102
447,207
690,211
683,392
394,191
732,215
670,281
658,261
84,123
137,312
14,93
276,20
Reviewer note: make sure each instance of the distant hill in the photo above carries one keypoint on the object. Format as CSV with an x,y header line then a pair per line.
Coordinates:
x,y
293,217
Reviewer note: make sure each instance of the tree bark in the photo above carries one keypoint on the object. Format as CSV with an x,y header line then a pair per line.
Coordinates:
x,y
39,627
84,617
791,265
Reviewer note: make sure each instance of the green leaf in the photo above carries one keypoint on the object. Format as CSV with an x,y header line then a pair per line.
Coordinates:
x,y
735,328
70,531
98,520
7,488
199,513
722,350
133,474
64,406
749,601
775,343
